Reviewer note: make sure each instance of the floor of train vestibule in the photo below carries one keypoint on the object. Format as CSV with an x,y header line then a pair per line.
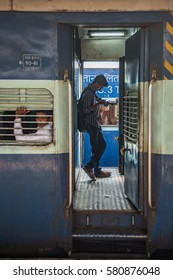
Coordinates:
x,y
102,194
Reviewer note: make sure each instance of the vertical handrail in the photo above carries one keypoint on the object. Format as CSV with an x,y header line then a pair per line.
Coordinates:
x,y
149,143
70,144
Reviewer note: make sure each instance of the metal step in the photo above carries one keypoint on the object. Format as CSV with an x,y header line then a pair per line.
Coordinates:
x,y
108,256
110,236
106,245
108,219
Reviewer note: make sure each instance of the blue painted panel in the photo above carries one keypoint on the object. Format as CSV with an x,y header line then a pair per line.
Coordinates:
x,y
134,61
75,18
156,49
110,156
26,34
32,195
162,197
34,46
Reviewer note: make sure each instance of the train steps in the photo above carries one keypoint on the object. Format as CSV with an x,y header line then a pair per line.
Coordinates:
x,y
104,220
118,234
123,245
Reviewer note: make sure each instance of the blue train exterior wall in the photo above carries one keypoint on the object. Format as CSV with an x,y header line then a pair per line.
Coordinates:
x,y
39,34
33,188
160,226
32,200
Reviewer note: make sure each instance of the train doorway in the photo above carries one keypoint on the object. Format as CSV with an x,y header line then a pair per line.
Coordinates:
x,y
110,207
83,76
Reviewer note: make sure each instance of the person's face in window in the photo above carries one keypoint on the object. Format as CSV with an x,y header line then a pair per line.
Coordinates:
x,y
41,119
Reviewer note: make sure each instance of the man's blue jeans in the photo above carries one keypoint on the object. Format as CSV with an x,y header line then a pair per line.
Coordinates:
x,y
98,146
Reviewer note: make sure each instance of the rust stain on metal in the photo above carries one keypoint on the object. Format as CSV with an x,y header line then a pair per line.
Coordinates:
x,y
12,5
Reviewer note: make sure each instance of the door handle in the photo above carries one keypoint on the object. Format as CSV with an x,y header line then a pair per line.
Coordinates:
x,y
124,150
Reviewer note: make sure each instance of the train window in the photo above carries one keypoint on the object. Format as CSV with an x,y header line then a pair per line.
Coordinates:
x,y
110,69
130,121
31,123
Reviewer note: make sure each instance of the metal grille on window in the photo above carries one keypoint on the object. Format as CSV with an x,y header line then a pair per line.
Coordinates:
x,y
35,100
130,120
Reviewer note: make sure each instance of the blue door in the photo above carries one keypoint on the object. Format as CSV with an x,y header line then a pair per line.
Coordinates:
x,y
133,76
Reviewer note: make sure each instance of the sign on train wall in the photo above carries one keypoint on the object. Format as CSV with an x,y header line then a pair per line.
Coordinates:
x,y
86,5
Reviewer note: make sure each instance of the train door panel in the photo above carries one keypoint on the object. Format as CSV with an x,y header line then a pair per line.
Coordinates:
x,y
133,64
65,130
120,137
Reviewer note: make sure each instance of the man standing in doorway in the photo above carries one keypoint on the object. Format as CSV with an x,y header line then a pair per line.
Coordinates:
x,y
91,104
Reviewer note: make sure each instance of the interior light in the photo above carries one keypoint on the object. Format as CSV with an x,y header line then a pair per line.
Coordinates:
x,y
118,33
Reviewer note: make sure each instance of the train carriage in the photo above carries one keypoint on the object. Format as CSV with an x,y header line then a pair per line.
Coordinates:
x,y
48,206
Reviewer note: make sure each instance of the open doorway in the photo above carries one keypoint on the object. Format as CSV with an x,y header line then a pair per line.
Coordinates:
x,y
101,56
108,115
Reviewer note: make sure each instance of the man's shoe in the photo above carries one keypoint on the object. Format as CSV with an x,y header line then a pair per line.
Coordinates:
x,y
89,172
103,174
